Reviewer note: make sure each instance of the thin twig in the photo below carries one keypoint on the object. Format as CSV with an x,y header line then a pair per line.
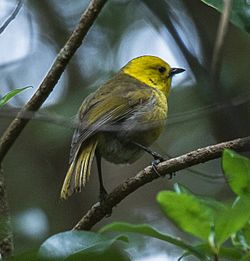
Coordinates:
x,y
12,16
52,77
220,40
175,118
99,211
6,237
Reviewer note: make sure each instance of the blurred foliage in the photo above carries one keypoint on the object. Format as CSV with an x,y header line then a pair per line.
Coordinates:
x,y
239,14
211,222
181,32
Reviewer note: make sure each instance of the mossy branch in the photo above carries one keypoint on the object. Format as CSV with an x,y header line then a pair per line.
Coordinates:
x,y
98,211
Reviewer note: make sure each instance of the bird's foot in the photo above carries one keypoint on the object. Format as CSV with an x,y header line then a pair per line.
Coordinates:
x,y
102,197
157,159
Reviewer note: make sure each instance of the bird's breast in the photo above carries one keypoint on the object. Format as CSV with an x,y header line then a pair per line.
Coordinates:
x,y
143,126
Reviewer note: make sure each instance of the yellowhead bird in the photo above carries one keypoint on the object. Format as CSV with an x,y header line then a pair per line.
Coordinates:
x,y
120,120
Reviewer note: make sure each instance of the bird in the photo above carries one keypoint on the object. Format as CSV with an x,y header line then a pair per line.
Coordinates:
x,y
120,120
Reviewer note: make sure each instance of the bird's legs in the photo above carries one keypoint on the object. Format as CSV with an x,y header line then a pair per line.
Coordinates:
x,y
102,191
157,157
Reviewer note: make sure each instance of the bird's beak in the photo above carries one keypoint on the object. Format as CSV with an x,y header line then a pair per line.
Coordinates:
x,y
174,71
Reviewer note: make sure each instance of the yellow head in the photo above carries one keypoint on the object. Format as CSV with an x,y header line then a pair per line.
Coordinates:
x,y
152,71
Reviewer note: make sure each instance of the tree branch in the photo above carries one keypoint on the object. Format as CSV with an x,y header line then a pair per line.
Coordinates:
x,y
12,16
43,91
220,39
6,237
52,77
99,211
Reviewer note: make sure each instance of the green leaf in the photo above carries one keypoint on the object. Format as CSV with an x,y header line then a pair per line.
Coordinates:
x,y
147,230
96,254
205,218
211,203
106,254
246,233
231,220
187,212
237,171
229,253
11,94
66,244
246,257
240,13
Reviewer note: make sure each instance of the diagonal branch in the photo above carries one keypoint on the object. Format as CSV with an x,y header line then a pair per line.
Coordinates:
x,y
6,237
52,77
99,211
12,16
220,40
43,91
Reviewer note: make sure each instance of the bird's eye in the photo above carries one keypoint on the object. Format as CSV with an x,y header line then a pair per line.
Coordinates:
x,y
161,69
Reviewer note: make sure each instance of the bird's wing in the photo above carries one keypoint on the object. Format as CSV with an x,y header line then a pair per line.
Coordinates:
x,y
101,112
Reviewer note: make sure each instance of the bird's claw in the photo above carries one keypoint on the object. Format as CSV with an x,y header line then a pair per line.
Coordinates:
x,y
154,164
158,159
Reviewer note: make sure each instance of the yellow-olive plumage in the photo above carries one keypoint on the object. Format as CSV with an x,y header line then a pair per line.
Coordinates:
x,y
128,110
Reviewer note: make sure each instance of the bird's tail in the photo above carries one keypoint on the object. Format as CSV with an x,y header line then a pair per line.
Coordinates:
x,y
79,170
